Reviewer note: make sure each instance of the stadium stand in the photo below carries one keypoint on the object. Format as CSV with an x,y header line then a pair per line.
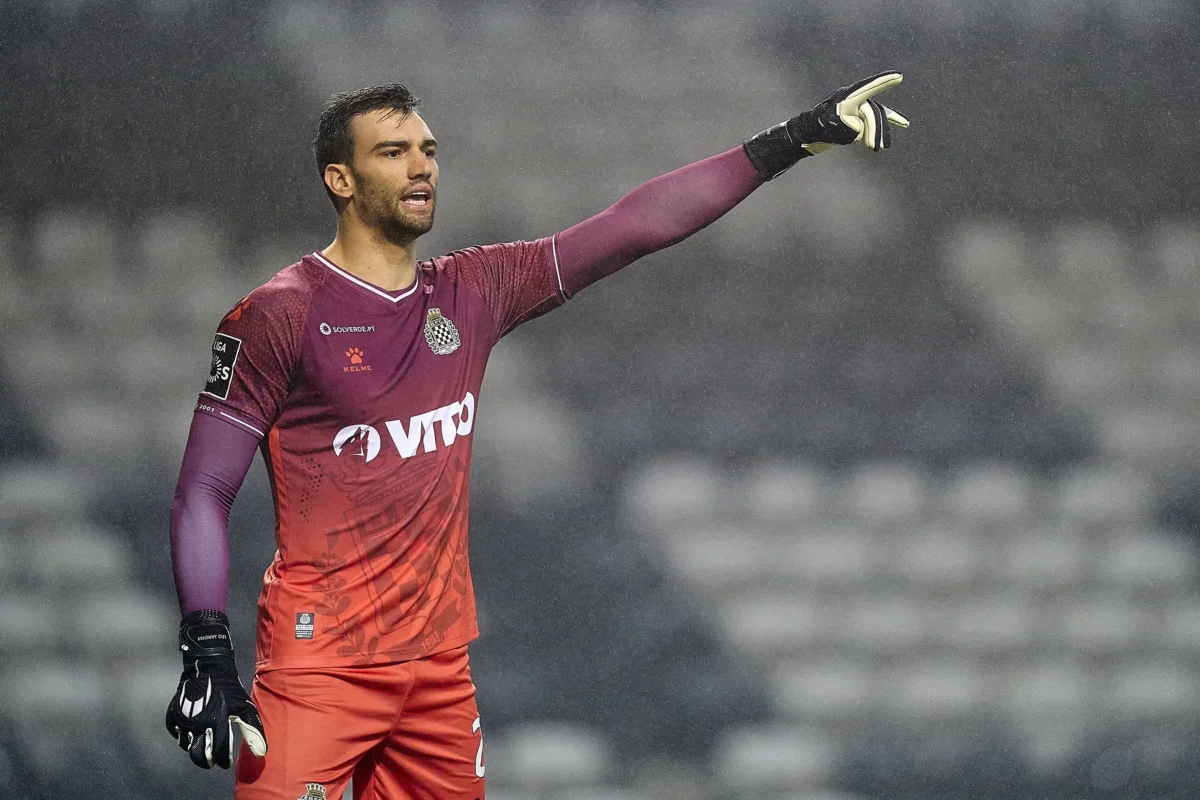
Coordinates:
x,y
797,509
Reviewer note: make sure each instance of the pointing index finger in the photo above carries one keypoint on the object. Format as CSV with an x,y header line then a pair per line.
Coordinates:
x,y
871,87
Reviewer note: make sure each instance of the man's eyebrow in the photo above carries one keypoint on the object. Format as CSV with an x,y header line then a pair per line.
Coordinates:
x,y
404,143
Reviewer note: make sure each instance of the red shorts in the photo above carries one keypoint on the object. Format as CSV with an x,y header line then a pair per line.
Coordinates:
x,y
403,731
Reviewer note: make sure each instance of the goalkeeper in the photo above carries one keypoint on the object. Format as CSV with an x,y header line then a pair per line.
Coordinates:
x,y
355,372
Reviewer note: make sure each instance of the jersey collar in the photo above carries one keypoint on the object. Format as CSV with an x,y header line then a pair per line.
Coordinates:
x,y
370,287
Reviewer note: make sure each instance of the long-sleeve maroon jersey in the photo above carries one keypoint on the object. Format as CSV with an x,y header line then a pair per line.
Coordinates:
x,y
365,401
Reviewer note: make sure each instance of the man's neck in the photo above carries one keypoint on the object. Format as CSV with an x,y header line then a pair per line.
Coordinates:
x,y
366,255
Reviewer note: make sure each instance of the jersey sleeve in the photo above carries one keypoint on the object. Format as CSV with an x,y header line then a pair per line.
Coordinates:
x,y
254,355
518,281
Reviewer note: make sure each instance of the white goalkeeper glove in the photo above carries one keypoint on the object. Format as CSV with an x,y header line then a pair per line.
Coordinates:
x,y
851,114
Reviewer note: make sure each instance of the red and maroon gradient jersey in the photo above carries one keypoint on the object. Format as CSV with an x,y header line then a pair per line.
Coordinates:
x,y
366,401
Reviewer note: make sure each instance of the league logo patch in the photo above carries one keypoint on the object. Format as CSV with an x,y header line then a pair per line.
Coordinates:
x,y
225,351
440,333
313,791
305,625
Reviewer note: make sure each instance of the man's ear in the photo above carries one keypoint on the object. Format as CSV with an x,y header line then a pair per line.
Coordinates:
x,y
339,180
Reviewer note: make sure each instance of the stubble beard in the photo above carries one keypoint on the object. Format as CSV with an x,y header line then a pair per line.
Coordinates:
x,y
383,211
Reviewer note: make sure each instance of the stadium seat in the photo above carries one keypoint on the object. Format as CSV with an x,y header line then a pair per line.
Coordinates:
x,y
830,555
935,556
751,759
1147,558
71,242
134,622
886,492
773,623
36,494
53,364
996,625
95,436
1147,435
513,371
1032,317
48,699
80,555
1153,689
832,689
1046,690
175,243
18,303
988,252
29,625
1041,557
169,425
1051,745
1181,626
140,691
8,557
1094,494
163,368
545,755
1175,253
1176,374
670,493
929,689
782,493
881,624
720,557
1096,625
1089,255
989,493
1086,370
538,434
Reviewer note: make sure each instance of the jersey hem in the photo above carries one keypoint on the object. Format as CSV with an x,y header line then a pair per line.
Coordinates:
x,y
305,662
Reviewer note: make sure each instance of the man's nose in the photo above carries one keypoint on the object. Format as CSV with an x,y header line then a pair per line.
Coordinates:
x,y
420,167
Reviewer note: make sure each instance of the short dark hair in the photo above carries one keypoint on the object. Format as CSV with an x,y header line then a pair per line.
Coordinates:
x,y
335,142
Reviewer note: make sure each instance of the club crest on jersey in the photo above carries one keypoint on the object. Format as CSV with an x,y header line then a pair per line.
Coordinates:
x,y
440,333
313,791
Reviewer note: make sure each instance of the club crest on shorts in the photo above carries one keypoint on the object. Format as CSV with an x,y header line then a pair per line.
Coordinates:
x,y
441,333
313,791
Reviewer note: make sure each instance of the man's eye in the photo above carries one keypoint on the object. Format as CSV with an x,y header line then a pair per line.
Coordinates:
x,y
431,153
391,153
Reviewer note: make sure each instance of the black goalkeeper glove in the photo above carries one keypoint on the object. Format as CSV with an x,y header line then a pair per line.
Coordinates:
x,y
210,697
848,115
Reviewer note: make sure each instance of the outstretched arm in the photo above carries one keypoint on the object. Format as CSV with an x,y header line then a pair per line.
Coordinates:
x,y
215,462
655,215
672,207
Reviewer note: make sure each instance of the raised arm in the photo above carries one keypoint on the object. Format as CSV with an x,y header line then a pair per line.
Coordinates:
x,y
672,207
655,215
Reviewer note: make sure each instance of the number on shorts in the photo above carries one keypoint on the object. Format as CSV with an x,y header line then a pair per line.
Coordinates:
x,y
479,752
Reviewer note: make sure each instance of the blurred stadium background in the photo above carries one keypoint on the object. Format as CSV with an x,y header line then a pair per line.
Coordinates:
x,y
883,486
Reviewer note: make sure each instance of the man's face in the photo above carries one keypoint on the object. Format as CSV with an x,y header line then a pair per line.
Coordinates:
x,y
395,174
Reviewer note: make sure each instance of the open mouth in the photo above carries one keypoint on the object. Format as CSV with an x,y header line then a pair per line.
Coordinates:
x,y
417,199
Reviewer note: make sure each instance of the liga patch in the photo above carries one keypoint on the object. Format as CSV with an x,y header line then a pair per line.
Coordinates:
x,y
225,351
305,625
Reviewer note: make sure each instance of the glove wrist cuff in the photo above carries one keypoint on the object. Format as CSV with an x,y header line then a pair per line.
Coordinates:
x,y
205,634
775,150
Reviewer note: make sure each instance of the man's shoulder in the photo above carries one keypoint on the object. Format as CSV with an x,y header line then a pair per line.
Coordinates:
x,y
291,289
496,253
